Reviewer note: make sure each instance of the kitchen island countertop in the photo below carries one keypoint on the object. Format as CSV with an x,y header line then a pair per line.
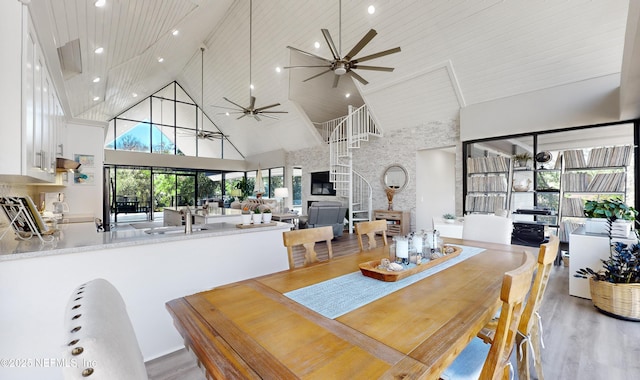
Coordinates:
x,y
80,237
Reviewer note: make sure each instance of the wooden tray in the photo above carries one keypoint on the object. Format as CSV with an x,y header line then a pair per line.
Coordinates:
x,y
370,268
256,225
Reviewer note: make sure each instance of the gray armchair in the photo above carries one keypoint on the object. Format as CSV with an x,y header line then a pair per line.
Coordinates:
x,y
325,213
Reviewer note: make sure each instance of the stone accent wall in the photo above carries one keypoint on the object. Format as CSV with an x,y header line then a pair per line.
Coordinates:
x,y
373,157
311,160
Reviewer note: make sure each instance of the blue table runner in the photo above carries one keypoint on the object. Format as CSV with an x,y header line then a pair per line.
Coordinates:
x,y
340,295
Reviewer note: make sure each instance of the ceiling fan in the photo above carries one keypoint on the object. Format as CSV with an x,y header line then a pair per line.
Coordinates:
x,y
344,65
251,109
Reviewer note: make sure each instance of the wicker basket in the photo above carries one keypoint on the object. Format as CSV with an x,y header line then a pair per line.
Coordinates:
x,y
619,300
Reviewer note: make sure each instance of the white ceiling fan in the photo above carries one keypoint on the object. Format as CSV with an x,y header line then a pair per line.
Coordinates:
x,y
251,109
344,65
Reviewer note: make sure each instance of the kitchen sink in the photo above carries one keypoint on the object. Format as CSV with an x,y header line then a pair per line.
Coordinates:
x,y
173,230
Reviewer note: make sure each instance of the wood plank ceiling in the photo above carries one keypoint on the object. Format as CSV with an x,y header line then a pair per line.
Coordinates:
x,y
454,53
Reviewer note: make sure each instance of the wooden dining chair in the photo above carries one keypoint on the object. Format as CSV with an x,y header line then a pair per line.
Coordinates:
x,y
487,362
370,229
487,228
307,238
529,329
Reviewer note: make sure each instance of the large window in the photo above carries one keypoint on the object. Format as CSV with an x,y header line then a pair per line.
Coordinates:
x,y
169,122
141,193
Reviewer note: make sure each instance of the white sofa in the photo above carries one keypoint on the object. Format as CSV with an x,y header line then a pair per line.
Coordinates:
x,y
253,203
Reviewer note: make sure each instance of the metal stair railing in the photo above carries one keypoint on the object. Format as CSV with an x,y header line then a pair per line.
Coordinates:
x,y
325,129
347,134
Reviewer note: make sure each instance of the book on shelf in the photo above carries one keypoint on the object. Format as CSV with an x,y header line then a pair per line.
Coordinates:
x,y
487,164
475,203
609,156
491,183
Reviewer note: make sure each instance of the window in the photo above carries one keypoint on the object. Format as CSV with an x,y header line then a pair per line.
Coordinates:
x,y
169,122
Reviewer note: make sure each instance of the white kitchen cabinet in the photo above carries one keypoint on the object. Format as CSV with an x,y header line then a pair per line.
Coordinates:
x,y
30,105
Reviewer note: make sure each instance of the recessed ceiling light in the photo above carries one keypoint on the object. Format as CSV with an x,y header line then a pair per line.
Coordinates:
x,y
135,95
175,32
251,86
96,79
278,69
347,95
96,98
371,9
317,45
160,59
99,50
100,3
226,113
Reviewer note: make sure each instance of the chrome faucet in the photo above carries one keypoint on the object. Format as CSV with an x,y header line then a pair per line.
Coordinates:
x,y
188,227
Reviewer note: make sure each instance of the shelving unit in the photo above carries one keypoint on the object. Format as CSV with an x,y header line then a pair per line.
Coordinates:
x,y
591,174
488,184
398,222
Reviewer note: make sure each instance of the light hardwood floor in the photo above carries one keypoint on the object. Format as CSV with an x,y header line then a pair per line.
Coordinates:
x,y
580,343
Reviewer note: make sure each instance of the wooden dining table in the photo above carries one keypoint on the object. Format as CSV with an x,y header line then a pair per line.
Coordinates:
x,y
252,330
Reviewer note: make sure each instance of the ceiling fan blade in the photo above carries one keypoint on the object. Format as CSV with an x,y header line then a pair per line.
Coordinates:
x,y
309,54
332,46
300,67
235,104
226,108
263,112
362,43
252,102
358,77
256,117
376,55
241,116
336,79
376,68
317,75
265,107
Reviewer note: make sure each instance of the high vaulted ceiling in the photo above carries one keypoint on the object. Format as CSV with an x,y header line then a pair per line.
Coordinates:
x,y
454,53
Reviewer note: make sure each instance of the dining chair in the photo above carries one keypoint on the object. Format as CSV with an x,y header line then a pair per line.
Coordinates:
x,y
482,361
99,335
529,338
487,228
307,238
370,229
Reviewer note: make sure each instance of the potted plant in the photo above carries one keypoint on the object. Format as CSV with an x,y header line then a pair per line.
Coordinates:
x,y
246,215
257,216
449,218
266,215
245,188
522,159
615,290
609,216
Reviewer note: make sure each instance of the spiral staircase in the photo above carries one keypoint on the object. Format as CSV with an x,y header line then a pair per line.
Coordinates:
x,y
346,136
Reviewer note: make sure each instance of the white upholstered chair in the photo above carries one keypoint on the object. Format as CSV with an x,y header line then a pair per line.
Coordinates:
x,y
99,336
487,228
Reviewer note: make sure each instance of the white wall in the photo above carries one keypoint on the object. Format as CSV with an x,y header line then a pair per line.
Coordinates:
x,y
34,292
435,185
83,199
587,102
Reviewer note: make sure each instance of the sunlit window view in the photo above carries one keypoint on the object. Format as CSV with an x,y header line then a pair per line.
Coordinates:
x,y
140,194
169,122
